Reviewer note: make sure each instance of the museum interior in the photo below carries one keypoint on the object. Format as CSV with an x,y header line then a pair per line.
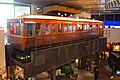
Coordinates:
x,y
59,40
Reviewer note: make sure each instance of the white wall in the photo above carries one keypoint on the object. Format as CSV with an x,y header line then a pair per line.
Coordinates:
x,y
21,10
6,1
7,11
2,49
112,34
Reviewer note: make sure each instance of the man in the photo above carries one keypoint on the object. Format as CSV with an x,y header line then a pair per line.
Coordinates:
x,y
96,73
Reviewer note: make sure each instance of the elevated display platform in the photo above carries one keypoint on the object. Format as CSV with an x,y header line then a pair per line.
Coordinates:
x,y
51,58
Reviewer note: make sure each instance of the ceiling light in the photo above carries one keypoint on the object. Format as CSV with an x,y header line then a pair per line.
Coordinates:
x,y
65,14
38,8
61,15
77,17
58,13
71,15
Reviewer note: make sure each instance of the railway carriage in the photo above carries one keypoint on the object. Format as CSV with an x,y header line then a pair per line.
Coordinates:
x,y
30,31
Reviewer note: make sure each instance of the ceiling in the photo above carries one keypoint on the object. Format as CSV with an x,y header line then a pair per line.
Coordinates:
x,y
92,6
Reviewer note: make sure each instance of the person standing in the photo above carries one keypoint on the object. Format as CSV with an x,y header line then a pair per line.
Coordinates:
x,y
96,74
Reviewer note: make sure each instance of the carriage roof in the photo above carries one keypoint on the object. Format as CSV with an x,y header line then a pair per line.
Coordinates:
x,y
57,18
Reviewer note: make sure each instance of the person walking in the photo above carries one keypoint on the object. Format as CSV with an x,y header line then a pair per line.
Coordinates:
x,y
96,74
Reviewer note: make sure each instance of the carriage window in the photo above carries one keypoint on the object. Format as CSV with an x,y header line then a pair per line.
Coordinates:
x,y
97,26
69,27
80,27
11,24
60,28
18,29
30,29
11,28
88,27
85,27
65,27
74,28
38,28
101,26
46,29
94,27
53,27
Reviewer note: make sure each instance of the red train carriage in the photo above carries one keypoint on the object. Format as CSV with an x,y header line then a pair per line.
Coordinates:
x,y
28,31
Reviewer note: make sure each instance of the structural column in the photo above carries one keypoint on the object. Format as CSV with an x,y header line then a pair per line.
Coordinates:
x,y
97,59
54,74
33,9
79,63
11,74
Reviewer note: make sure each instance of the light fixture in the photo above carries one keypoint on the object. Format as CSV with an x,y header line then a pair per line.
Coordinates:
x,y
65,14
71,15
38,8
58,13
61,15
77,17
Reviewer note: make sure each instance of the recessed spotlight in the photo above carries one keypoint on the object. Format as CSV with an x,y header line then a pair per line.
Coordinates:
x,y
71,15
58,13
61,15
65,14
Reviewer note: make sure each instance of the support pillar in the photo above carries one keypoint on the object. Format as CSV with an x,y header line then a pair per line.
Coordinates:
x,y
53,74
11,74
33,9
97,60
79,63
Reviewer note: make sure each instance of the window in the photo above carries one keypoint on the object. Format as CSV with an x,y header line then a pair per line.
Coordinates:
x,y
18,29
46,29
29,29
101,26
97,26
38,29
88,27
11,28
65,27
80,27
53,27
74,28
94,27
60,28
69,27
85,27
10,25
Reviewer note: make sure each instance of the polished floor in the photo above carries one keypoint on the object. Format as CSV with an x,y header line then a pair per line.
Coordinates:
x,y
104,70
105,74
